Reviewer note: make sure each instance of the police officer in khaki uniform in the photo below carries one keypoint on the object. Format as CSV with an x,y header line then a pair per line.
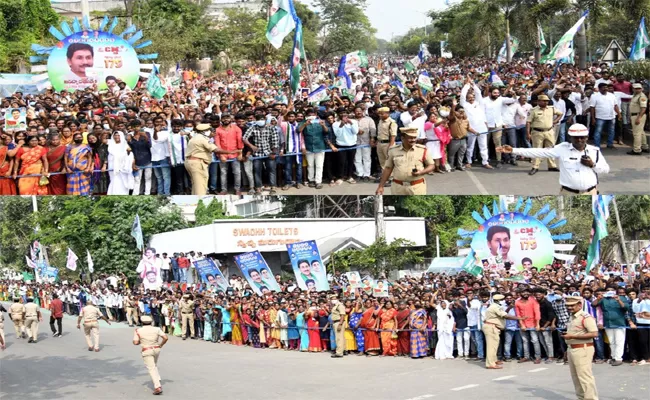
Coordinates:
x,y
186,306
17,316
495,322
338,324
148,337
91,314
638,108
32,317
539,128
408,163
131,303
580,335
199,157
386,135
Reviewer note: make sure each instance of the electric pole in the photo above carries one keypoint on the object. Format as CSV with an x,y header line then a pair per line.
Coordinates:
x,y
620,230
380,224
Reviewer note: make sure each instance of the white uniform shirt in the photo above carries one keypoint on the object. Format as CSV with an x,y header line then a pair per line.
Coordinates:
x,y
604,105
573,174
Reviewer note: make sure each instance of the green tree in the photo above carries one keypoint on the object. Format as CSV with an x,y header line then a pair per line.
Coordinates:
x,y
101,225
206,215
22,23
378,258
347,27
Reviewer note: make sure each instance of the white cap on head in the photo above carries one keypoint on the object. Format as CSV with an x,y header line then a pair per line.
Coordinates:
x,y
578,130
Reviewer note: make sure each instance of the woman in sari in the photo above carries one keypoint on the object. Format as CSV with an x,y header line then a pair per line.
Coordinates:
x,y
355,321
66,136
369,323
120,166
251,322
417,322
262,317
235,322
388,319
403,335
7,184
274,342
207,324
313,331
79,166
446,327
55,155
302,328
31,160
348,334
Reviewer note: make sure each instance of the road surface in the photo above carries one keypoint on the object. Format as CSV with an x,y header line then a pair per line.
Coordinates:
x,y
62,368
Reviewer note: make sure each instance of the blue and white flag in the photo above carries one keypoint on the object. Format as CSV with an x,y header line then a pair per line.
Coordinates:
x,y
423,54
136,232
600,209
424,81
641,41
350,63
318,95
563,49
495,80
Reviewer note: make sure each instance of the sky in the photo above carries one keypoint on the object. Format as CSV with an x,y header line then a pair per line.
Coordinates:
x,y
396,17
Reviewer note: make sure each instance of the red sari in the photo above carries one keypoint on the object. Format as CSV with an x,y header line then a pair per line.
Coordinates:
x,y
31,164
7,185
55,160
314,334
370,338
388,342
403,338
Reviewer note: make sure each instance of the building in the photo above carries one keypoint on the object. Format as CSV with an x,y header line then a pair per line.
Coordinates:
x,y
72,8
242,206
226,238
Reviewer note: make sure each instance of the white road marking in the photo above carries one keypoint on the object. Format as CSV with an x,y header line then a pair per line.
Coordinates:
x,y
537,369
424,396
464,387
476,182
503,378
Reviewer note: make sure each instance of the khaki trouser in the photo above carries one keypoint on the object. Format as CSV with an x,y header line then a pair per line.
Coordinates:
x,y
198,171
2,332
340,337
542,140
132,315
583,379
403,190
382,154
491,333
496,139
19,326
31,325
640,139
184,319
565,192
92,328
150,358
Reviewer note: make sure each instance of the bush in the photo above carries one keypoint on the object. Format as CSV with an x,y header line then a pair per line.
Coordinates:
x,y
636,70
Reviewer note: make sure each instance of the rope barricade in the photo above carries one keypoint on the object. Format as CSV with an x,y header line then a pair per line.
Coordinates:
x,y
234,159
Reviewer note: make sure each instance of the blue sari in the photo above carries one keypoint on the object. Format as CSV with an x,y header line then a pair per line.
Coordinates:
x,y
225,321
207,326
302,329
355,319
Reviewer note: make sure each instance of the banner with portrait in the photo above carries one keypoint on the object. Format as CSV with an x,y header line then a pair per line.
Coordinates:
x,y
308,266
210,274
257,272
15,119
46,273
90,57
367,284
149,269
380,288
354,279
513,239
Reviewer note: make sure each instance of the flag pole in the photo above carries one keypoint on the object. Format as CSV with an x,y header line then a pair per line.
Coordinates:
x,y
620,230
304,54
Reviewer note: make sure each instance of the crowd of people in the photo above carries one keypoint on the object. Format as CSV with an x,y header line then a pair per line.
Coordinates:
x,y
434,315
124,141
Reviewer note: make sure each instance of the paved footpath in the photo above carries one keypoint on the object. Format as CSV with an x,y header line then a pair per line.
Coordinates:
x,y
628,175
62,368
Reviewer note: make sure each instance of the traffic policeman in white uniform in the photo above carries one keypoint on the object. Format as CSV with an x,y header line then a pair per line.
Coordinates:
x,y
580,164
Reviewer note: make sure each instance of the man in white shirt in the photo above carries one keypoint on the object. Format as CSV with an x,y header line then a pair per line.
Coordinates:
x,y
508,113
493,106
604,111
178,141
471,103
580,164
415,117
521,116
165,268
160,156
367,136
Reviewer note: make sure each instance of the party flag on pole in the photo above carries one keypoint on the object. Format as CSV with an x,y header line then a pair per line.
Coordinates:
x,y
89,260
600,209
71,261
136,232
281,21
641,41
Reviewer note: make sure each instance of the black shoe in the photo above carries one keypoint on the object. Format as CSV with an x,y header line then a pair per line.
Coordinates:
x,y
336,356
533,171
30,341
633,153
611,147
645,151
554,170
513,162
184,338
